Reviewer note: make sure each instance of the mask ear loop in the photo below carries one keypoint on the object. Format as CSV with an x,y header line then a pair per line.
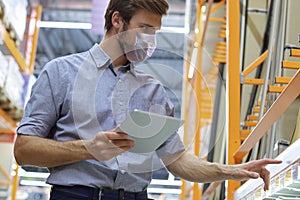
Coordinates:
x,y
118,37
125,28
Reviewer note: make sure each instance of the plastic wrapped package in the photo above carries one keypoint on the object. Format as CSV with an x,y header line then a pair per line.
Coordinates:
x,y
14,82
3,70
15,11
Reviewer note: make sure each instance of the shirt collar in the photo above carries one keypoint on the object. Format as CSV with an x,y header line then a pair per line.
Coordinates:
x,y
128,68
101,59
132,70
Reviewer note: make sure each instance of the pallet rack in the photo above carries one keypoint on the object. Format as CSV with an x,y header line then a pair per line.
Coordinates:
x,y
278,91
26,64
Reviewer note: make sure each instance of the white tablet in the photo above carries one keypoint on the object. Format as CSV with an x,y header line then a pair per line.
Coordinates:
x,y
148,130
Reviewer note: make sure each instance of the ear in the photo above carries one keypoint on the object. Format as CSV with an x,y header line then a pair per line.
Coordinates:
x,y
116,20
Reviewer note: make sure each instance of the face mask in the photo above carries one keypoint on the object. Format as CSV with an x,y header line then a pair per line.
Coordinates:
x,y
144,47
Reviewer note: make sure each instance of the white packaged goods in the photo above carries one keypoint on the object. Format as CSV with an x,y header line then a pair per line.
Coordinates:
x,y
30,83
6,162
3,69
15,11
14,82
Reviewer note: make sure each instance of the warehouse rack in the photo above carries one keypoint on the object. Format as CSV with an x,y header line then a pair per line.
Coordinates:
x,y
274,90
268,110
198,110
9,113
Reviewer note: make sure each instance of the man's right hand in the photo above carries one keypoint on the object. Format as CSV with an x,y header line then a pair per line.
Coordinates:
x,y
109,144
44,152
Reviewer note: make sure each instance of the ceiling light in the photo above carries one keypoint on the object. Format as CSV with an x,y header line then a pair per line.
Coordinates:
x,y
174,29
78,25
68,25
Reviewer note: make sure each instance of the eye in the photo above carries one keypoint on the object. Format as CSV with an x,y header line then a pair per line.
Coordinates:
x,y
148,29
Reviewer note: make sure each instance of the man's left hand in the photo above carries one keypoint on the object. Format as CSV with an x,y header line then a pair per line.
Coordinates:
x,y
255,169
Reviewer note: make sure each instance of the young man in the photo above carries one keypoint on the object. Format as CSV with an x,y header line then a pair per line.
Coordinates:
x,y
71,120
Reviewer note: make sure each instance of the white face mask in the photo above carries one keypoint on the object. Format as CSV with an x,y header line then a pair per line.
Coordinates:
x,y
143,48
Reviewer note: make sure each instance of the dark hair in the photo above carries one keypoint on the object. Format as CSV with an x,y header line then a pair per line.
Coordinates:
x,y
127,8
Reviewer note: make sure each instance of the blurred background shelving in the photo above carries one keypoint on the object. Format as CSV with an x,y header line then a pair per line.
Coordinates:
x,y
231,68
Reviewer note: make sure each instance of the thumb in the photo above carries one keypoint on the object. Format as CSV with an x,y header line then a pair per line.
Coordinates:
x,y
116,128
253,175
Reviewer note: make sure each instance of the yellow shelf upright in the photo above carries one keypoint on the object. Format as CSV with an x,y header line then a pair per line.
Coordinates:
x,y
32,37
197,88
233,87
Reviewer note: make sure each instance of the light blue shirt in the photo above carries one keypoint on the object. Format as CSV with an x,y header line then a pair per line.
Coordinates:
x,y
78,96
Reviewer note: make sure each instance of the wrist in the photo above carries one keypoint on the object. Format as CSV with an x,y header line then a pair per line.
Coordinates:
x,y
226,172
86,151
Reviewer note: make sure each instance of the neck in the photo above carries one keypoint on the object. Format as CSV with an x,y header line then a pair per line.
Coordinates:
x,y
111,46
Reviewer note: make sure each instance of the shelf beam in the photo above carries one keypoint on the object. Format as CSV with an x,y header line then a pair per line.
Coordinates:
x,y
216,19
254,81
11,46
290,64
282,80
255,63
253,117
250,123
244,134
276,89
288,95
295,52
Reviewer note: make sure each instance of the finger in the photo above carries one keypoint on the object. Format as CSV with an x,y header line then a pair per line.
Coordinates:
x,y
253,175
256,165
121,148
114,152
115,129
265,175
268,161
115,136
127,148
123,143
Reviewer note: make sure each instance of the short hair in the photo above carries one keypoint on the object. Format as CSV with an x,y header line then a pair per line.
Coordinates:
x,y
128,8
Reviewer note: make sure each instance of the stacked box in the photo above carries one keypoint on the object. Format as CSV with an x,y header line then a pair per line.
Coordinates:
x,y
14,83
15,12
3,70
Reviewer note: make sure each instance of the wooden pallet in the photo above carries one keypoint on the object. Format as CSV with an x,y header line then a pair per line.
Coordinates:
x,y
13,111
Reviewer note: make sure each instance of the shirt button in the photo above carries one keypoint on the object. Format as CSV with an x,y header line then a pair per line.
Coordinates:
x,y
120,81
121,103
122,172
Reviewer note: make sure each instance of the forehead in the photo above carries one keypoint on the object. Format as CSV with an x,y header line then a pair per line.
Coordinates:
x,y
147,18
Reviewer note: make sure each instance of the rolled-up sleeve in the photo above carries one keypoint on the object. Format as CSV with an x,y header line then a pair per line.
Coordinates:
x,y
41,111
173,144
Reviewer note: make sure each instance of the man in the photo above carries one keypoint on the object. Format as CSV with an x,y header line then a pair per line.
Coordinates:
x,y
71,121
